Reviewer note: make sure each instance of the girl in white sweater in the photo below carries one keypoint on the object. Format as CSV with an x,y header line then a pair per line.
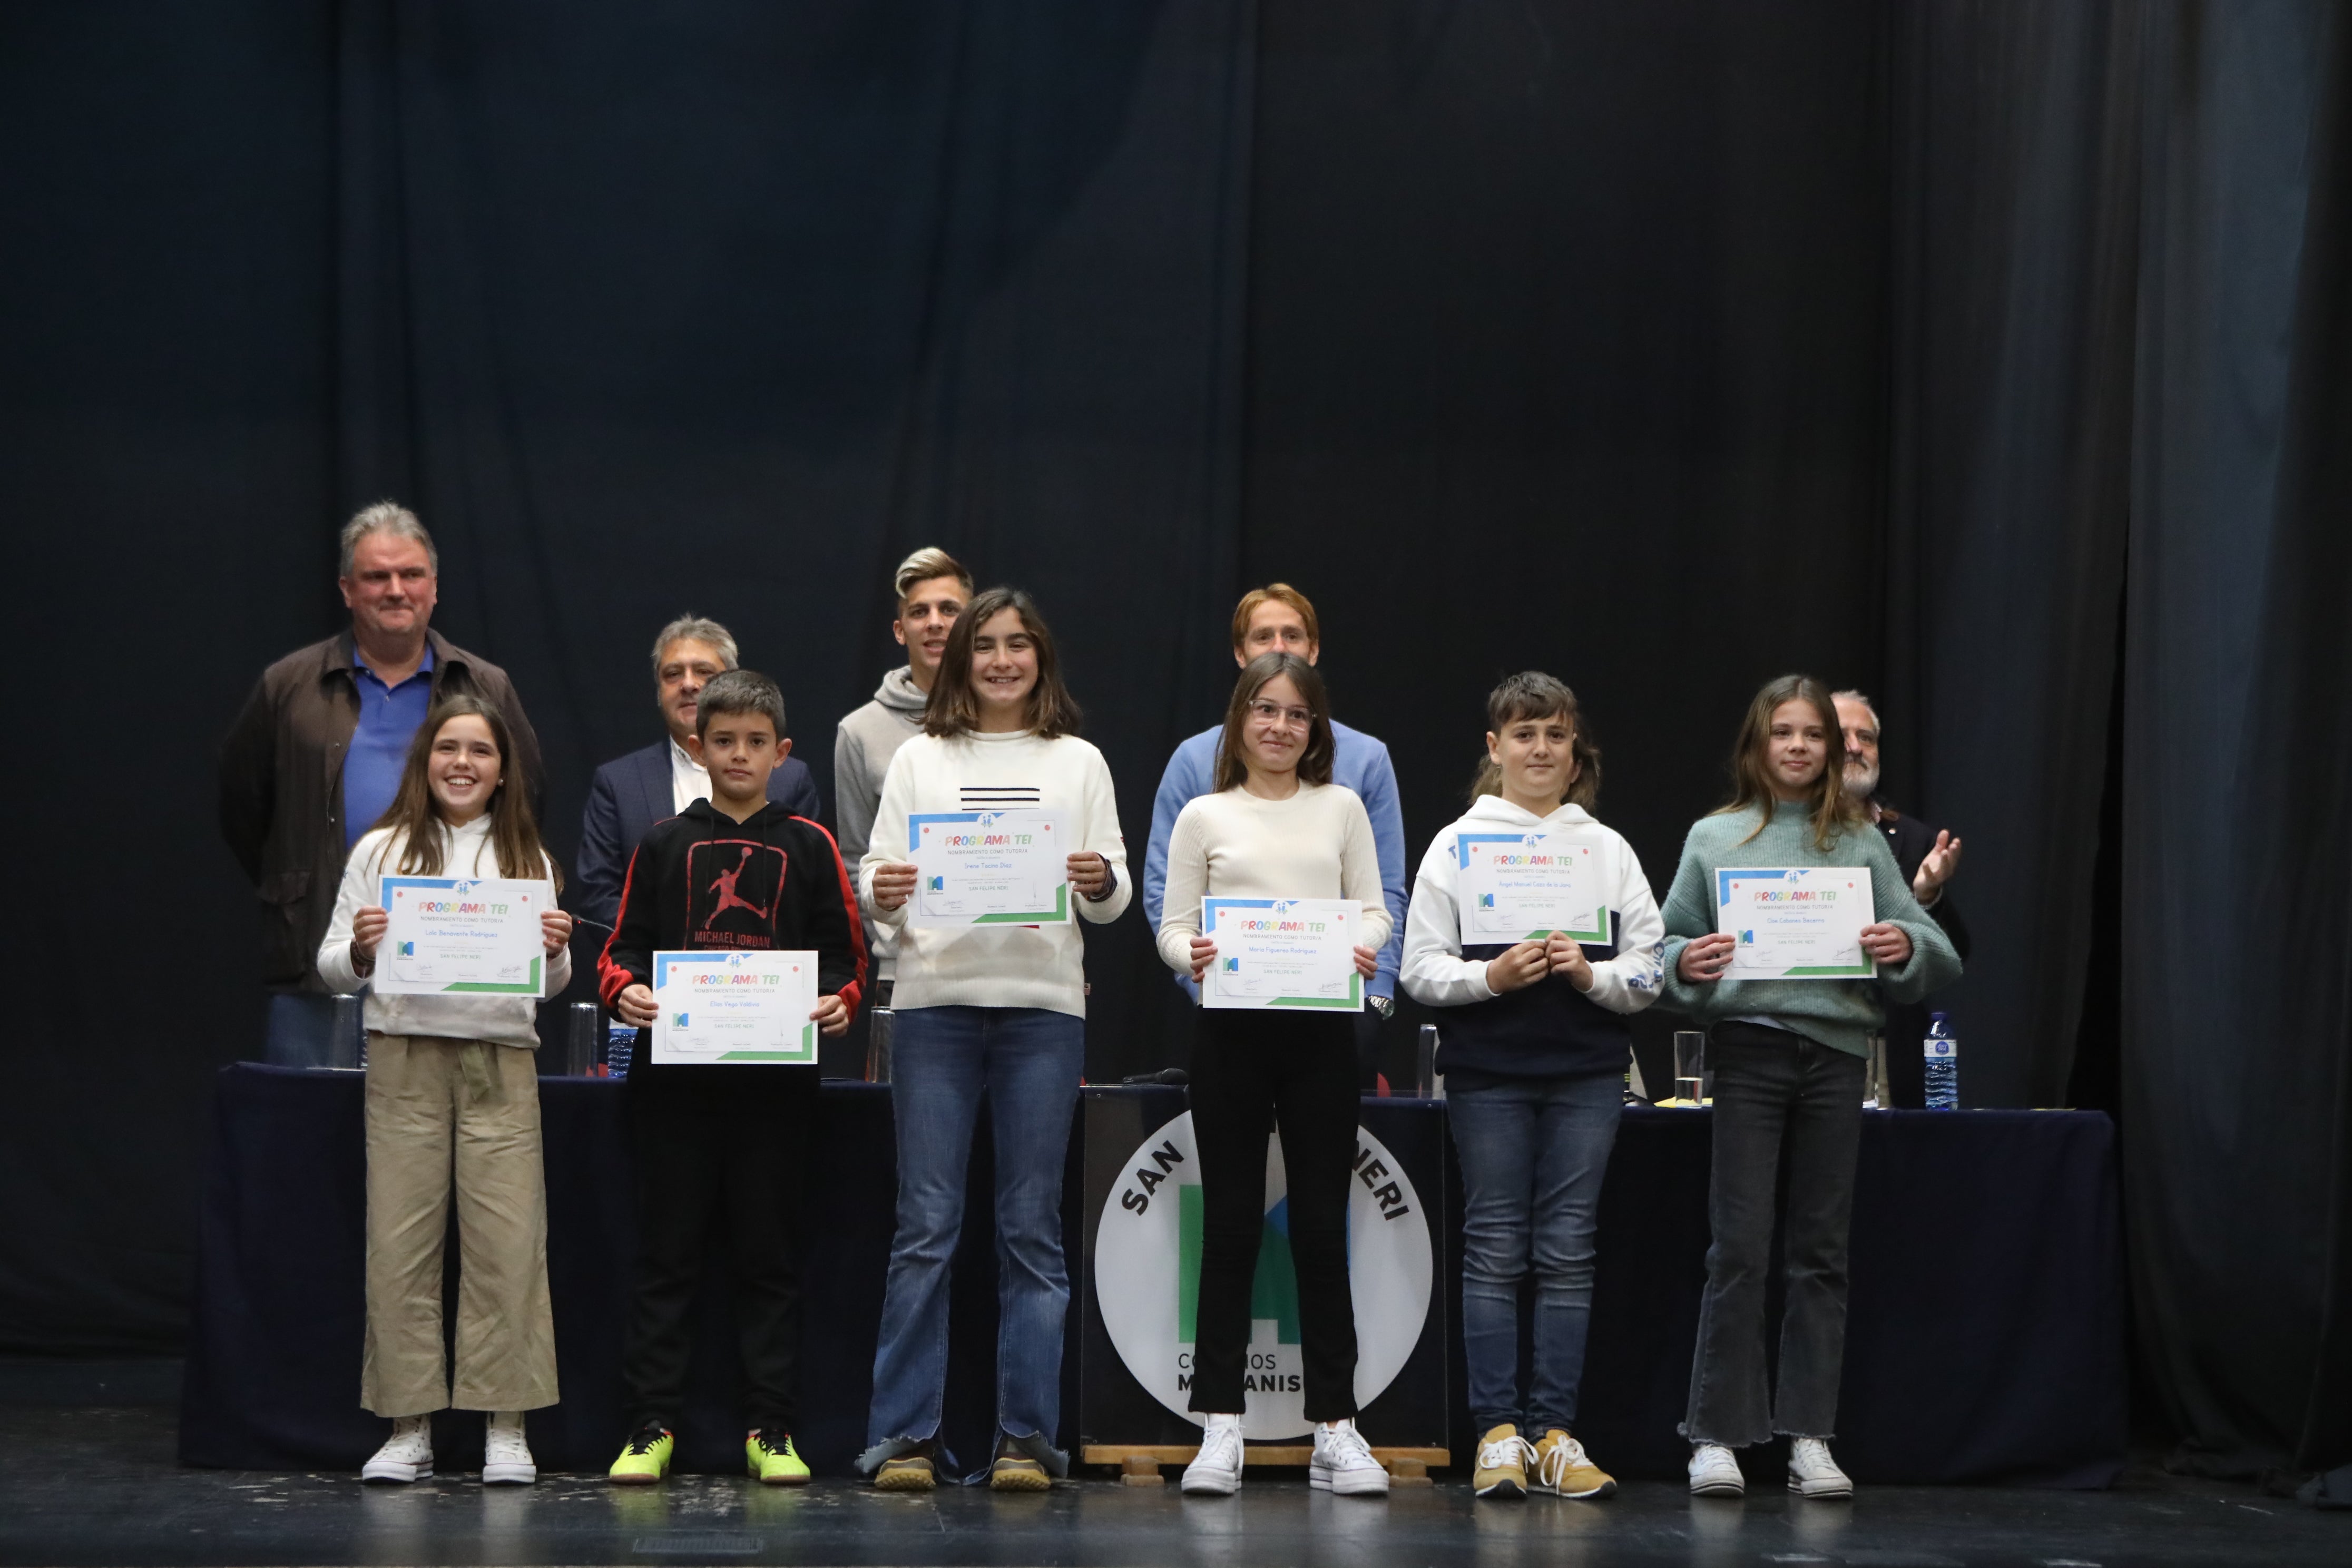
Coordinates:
x,y
1277,827
995,1012
453,1100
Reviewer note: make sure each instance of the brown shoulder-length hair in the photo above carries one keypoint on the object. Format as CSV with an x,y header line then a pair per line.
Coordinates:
x,y
1315,762
514,831
1833,810
955,711
1532,694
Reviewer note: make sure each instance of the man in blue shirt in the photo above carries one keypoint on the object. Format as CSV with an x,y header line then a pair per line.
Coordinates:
x,y
1279,618
316,757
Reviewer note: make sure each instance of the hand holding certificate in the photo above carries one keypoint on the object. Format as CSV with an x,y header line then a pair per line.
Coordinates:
x,y
1281,953
735,1007
481,935
1801,922
1518,887
990,867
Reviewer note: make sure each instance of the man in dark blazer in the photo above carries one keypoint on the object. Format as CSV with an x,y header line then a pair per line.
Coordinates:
x,y
631,793
1928,855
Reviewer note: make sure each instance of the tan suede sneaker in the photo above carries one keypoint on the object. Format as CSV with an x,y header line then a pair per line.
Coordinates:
x,y
1503,1457
1562,1469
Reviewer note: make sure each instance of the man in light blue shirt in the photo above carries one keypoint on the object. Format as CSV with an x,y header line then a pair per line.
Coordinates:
x,y
1278,618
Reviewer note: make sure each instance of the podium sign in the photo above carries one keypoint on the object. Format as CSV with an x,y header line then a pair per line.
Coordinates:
x,y
1141,1218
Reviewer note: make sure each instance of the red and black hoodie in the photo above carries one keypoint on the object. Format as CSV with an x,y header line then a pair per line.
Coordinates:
x,y
702,881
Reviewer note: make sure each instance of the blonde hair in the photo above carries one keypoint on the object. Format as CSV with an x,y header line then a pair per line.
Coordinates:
x,y
924,564
1276,593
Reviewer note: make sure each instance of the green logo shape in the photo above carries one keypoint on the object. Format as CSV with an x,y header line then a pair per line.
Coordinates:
x,y
1274,1288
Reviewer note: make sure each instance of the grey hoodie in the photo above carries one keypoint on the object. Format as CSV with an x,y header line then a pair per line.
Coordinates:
x,y
862,748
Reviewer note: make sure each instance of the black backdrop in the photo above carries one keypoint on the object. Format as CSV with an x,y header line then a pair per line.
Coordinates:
x,y
1666,347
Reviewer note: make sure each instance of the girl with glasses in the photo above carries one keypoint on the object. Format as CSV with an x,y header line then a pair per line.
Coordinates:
x,y
1276,827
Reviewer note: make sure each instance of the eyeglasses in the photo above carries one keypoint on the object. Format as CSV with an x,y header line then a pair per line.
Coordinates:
x,y
1289,717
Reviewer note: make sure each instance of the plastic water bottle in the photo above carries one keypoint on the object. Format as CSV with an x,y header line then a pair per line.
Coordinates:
x,y
620,1041
1943,1064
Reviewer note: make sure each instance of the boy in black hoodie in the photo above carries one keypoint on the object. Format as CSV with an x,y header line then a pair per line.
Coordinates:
x,y
733,871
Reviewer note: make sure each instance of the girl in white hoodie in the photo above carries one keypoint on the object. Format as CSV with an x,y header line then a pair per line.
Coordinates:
x,y
452,1105
1534,1048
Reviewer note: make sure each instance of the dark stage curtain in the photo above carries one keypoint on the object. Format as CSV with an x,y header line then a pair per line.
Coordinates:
x,y
2238,941
1667,347
2121,405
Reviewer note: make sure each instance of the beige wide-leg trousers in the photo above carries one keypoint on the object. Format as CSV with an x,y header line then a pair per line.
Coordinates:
x,y
442,1111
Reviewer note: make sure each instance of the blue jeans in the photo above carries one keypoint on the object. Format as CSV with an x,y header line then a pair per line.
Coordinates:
x,y
1026,1061
1533,1152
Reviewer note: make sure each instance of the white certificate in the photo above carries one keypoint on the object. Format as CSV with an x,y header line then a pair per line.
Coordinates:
x,y
1518,887
478,935
734,1007
1799,922
990,867
1283,953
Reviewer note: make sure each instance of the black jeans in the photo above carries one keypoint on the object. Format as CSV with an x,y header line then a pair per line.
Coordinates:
x,y
1253,1072
1771,1089
733,1146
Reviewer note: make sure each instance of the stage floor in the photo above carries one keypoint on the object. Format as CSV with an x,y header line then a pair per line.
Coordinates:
x,y
83,1483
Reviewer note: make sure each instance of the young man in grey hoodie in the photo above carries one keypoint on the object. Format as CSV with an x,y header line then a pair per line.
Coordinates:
x,y
932,592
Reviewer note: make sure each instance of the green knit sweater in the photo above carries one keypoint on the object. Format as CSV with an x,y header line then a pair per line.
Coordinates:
x,y
1839,1014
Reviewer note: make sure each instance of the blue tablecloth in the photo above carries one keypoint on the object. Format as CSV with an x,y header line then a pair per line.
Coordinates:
x,y
1985,1340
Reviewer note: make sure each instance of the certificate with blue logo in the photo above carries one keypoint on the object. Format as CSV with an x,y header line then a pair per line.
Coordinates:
x,y
712,1008
990,867
1796,922
477,934
1281,953
1522,887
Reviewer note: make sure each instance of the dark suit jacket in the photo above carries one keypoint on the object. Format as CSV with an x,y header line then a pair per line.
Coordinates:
x,y
1911,838
629,795
1907,1022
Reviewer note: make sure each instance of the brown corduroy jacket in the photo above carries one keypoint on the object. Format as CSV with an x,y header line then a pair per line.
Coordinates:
x,y
281,785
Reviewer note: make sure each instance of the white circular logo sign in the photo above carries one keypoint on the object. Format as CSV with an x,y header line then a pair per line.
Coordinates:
x,y
1147,1273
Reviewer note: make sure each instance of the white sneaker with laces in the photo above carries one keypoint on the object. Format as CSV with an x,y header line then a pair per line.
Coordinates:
x,y
407,1454
1812,1473
1715,1472
1216,1470
1342,1462
506,1455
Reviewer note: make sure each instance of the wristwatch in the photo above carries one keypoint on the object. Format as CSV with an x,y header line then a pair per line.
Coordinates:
x,y
1384,1006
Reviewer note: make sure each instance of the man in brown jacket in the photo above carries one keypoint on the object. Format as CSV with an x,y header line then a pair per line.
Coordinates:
x,y
317,754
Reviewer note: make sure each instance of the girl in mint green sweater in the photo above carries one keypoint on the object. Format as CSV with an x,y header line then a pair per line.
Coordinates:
x,y
1788,1058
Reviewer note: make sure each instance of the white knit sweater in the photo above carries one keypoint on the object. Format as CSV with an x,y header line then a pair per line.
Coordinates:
x,y
996,966
504,1020
1318,843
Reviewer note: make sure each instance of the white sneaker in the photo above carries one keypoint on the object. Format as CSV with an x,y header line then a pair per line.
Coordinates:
x,y
506,1458
407,1454
1812,1473
1715,1472
1216,1470
1343,1463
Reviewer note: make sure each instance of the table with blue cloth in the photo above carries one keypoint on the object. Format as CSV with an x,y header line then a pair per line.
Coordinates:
x,y
1984,1341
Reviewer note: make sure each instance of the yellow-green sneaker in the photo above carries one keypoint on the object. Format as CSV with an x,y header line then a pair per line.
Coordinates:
x,y
773,1460
646,1460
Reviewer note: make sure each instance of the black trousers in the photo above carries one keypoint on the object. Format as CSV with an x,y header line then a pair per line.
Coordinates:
x,y
1253,1073
718,1145
1775,1093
